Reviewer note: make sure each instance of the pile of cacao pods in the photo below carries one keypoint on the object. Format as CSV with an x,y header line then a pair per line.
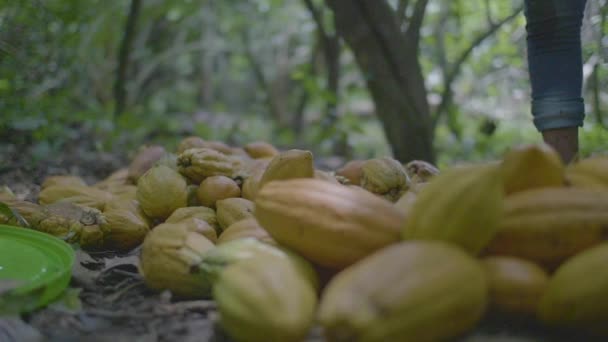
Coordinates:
x,y
374,251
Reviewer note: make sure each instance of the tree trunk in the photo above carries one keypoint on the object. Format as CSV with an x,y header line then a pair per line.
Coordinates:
x,y
388,60
120,92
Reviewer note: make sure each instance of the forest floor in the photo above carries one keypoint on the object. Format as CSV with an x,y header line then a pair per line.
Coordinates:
x,y
108,302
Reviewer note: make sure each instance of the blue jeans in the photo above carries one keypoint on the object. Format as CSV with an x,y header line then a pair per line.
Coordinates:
x,y
555,62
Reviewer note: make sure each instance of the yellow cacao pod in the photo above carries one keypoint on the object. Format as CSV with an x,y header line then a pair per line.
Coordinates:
x,y
160,191
85,196
532,166
549,225
256,305
123,229
169,254
260,149
385,177
216,188
329,224
352,171
420,171
290,164
190,142
232,210
395,295
62,181
201,213
576,293
252,183
199,163
516,285
462,205
143,161
589,173
246,228
116,179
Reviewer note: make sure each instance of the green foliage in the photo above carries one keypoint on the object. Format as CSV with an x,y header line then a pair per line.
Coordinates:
x,y
58,64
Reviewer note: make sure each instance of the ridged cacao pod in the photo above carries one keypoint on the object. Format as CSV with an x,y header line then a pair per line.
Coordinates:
x,y
395,295
202,213
200,163
385,177
260,149
352,171
161,191
549,225
279,308
532,166
232,210
420,171
516,285
462,205
329,224
85,196
589,173
143,161
290,164
246,228
576,293
169,256
123,230
62,181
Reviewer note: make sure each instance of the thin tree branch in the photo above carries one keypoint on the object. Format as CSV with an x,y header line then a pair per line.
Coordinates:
x,y
413,29
446,96
402,12
120,92
316,15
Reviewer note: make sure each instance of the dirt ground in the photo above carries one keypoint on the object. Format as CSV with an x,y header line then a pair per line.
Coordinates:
x,y
108,302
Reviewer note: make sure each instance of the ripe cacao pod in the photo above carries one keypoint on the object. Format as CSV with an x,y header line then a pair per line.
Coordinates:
x,y
420,171
143,161
199,163
246,228
329,224
216,188
85,196
190,142
548,225
385,177
116,179
260,149
232,210
256,305
532,166
169,256
290,164
201,213
395,295
516,285
589,173
123,230
160,191
576,293
352,171
62,181
462,205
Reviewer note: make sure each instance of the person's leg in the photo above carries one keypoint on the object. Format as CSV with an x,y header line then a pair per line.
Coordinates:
x,y
556,68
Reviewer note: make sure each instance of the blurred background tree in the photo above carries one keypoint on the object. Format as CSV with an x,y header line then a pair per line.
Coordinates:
x,y
442,81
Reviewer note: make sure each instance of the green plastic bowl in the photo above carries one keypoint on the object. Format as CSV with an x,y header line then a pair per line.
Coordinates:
x,y
35,268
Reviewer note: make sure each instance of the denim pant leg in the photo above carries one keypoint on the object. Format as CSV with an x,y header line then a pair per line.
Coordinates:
x,y
555,62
